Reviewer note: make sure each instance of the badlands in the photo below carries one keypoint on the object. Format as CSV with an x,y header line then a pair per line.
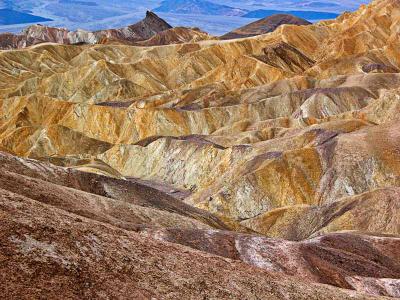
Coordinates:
x,y
164,163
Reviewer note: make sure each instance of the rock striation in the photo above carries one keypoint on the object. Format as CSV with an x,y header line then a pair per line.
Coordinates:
x,y
177,35
260,167
71,239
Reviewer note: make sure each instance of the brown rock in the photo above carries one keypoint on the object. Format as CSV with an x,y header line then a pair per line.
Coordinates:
x,y
71,257
263,26
144,150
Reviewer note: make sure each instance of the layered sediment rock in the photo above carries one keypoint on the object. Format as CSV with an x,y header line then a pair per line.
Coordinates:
x,y
289,135
72,239
74,263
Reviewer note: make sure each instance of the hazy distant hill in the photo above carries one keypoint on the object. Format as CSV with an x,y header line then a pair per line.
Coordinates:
x,y
198,7
9,16
308,15
320,4
263,26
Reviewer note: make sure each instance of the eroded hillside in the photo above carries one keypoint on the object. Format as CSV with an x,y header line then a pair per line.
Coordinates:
x,y
278,152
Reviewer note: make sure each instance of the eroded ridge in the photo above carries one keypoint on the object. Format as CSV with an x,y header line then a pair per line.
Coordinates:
x,y
270,164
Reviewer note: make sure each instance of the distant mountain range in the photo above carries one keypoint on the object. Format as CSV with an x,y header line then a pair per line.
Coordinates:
x,y
151,31
93,15
204,7
309,15
198,7
319,4
36,34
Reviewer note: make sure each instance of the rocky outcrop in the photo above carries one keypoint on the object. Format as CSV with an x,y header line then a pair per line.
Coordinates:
x,y
263,26
379,68
285,57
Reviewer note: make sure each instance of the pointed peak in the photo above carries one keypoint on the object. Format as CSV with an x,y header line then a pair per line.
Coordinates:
x,y
150,14
153,18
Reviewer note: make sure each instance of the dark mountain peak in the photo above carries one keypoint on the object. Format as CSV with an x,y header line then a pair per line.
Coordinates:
x,y
150,25
151,15
153,18
265,25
